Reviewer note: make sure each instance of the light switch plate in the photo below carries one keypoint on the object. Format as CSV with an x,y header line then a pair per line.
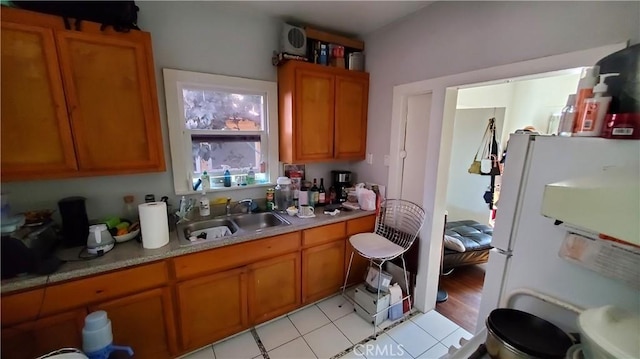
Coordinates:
x,y
370,158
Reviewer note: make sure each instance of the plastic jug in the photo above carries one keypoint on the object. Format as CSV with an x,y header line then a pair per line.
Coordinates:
x,y
283,194
97,337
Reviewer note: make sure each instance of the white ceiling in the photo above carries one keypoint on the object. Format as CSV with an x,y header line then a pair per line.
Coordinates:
x,y
348,17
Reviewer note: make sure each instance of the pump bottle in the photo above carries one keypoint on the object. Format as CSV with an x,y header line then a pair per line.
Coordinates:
x,y
594,110
588,79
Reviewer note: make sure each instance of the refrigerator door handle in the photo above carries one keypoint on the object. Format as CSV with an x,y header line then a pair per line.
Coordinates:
x,y
504,252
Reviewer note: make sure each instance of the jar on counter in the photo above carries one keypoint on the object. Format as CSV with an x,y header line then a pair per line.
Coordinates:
x,y
283,194
270,202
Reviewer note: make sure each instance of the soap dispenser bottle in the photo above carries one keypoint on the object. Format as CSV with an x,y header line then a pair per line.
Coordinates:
x,y
204,205
227,177
594,110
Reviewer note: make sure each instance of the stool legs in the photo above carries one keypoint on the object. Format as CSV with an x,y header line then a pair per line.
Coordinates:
x,y
346,278
406,280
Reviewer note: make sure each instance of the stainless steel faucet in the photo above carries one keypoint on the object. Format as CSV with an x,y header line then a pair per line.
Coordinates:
x,y
248,202
228,207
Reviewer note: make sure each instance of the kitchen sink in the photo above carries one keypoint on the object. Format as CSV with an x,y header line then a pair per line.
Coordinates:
x,y
258,221
238,224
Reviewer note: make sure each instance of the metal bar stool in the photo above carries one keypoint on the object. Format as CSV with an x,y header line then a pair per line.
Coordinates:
x,y
397,225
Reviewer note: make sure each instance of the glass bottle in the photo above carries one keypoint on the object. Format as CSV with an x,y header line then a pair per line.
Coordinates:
x,y
568,117
314,194
322,193
130,211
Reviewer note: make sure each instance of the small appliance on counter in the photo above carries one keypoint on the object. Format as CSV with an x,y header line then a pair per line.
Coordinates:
x,y
29,250
99,240
341,182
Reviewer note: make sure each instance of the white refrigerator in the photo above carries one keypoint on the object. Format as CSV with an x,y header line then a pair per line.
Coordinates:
x,y
526,243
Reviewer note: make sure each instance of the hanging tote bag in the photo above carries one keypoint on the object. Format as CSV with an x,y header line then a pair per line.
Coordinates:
x,y
482,152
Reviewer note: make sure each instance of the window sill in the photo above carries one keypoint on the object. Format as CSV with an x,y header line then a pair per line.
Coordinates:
x,y
226,189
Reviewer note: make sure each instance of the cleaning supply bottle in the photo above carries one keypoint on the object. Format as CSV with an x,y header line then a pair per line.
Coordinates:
x,y
97,337
204,205
251,176
594,110
227,177
568,117
588,79
206,182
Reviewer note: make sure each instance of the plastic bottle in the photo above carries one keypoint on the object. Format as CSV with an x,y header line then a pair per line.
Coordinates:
x,y
227,177
588,79
204,205
594,110
568,118
303,195
206,181
251,176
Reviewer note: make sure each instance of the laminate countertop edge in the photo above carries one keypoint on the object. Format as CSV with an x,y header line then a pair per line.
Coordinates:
x,y
131,253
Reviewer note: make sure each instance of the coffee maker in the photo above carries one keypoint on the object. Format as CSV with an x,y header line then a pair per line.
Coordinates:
x,y
341,181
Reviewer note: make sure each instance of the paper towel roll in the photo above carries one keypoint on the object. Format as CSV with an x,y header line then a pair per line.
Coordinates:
x,y
154,224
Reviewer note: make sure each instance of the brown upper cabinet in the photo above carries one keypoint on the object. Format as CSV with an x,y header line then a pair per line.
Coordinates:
x,y
76,103
322,113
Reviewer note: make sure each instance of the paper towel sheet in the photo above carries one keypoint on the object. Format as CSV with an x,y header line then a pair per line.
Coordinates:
x,y
154,224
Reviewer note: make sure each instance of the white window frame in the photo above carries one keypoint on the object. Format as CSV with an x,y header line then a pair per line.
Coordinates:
x,y
180,137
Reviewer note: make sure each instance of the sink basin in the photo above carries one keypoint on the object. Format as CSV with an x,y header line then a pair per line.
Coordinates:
x,y
186,230
259,221
237,224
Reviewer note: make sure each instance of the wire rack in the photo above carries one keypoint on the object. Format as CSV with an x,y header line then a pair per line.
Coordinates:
x,y
399,221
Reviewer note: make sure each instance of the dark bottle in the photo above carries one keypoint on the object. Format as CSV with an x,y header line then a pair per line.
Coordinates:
x,y
322,194
332,195
314,194
227,178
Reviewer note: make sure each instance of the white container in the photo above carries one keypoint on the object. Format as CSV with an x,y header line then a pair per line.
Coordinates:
x,y
609,332
203,206
283,194
96,334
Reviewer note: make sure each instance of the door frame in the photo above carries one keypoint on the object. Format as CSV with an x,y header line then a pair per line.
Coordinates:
x,y
444,95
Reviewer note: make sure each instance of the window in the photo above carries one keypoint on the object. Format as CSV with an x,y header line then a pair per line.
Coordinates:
x,y
218,123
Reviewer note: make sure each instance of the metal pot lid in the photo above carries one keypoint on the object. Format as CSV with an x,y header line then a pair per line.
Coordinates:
x,y
614,330
528,333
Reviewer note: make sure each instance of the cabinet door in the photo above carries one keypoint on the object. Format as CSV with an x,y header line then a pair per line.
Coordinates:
x,y
212,307
352,95
143,321
110,89
314,116
35,338
274,287
322,270
36,136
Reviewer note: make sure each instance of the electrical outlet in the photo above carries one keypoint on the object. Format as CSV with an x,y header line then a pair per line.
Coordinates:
x,y
370,158
387,158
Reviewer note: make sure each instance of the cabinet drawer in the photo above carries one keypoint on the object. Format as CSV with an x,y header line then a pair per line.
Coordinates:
x,y
361,225
102,287
235,255
324,234
21,307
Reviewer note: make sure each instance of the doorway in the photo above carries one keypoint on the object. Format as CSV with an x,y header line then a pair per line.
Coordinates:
x,y
438,137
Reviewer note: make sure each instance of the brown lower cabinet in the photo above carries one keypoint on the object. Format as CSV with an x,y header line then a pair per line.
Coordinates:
x,y
274,287
168,308
143,321
35,338
212,307
322,270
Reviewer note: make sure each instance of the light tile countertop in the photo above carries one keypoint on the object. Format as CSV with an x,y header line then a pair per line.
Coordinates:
x,y
131,253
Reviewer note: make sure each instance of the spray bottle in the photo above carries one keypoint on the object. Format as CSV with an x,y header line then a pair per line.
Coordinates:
x,y
594,110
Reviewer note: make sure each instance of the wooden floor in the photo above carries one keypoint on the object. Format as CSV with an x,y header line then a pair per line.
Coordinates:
x,y
464,286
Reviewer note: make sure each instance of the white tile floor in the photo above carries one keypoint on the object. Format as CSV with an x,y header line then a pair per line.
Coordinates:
x,y
324,330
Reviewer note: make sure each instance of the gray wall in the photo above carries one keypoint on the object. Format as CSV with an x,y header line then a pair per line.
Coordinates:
x,y
452,37
208,37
